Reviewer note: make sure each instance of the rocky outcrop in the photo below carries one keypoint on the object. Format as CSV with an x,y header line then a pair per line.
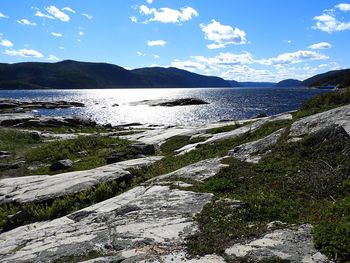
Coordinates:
x,y
253,151
235,133
291,244
171,102
9,106
143,223
317,122
199,171
39,188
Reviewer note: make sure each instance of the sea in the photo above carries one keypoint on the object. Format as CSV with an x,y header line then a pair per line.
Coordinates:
x,y
119,106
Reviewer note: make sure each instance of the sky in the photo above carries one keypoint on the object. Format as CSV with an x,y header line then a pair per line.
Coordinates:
x,y
243,40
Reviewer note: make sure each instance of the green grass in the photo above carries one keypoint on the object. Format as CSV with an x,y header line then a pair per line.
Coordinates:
x,y
324,102
225,128
303,182
178,142
96,147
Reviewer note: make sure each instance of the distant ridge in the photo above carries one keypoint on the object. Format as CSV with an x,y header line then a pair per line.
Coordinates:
x,y
287,83
71,74
339,78
257,84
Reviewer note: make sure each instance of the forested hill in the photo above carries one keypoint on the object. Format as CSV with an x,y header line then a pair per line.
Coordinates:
x,y
70,74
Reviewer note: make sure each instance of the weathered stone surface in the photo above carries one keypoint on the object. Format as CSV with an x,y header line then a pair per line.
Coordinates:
x,y
131,225
253,151
116,157
235,133
314,123
199,171
294,245
61,165
171,102
45,187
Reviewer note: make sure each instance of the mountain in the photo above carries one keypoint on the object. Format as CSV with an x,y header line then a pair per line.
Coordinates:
x,y
339,78
71,74
257,84
288,83
234,83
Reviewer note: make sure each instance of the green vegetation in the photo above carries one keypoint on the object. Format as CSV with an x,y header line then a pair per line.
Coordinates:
x,y
178,142
303,182
324,102
225,128
87,152
339,78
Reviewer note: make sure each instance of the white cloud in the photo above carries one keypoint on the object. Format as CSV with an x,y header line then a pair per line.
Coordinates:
x,y
222,35
293,58
6,43
343,7
168,15
28,53
26,22
68,9
327,22
56,34
133,19
156,56
53,58
140,54
150,1
188,65
88,16
153,43
81,33
226,59
61,48
321,45
41,14
246,73
55,12
3,15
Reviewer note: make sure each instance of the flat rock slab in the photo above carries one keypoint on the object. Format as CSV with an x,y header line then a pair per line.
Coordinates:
x,y
314,123
199,171
253,151
130,226
235,133
170,102
294,245
39,188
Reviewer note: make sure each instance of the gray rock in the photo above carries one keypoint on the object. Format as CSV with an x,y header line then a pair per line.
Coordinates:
x,y
294,245
133,226
143,148
116,157
171,102
4,153
36,135
253,151
61,165
39,188
317,122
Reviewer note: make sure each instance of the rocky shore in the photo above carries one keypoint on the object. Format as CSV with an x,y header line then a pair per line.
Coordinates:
x,y
157,218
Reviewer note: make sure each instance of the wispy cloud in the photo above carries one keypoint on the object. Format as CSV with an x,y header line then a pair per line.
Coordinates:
x,y
28,53
168,15
52,58
133,19
222,35
55,34
321,45
153,43
26,22
3,15
293,58
38,13
6,43
88,16
68,9
140,54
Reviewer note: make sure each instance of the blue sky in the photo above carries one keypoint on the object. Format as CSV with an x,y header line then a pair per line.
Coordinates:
x,y
250,40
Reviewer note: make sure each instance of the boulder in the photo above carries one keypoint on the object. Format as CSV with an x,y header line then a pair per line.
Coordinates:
x,y
170,102
116,157
143,148
61,165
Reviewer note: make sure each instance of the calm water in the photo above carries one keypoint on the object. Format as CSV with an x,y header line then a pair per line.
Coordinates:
x,y
225,103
